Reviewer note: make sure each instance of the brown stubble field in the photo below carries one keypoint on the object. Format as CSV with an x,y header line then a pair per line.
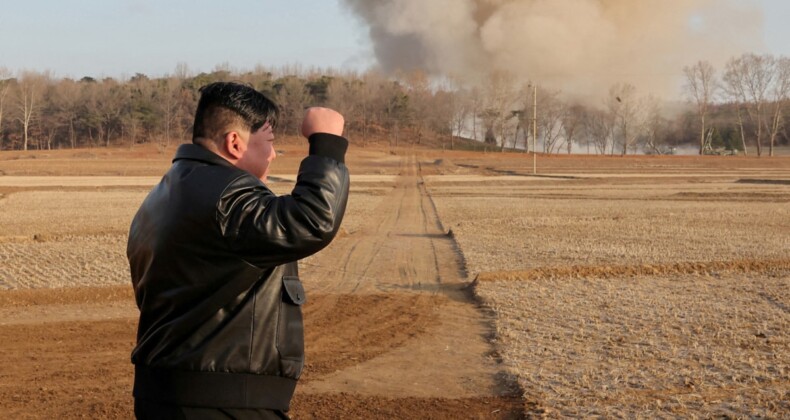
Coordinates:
x,y
661,288
604,286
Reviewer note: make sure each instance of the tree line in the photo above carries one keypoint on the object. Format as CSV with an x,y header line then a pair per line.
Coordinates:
x,y
742,106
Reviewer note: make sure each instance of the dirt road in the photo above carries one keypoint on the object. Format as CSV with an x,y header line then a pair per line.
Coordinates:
x,y
392,332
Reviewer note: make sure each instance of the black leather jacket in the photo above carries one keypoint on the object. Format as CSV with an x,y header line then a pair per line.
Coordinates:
x,y
213,254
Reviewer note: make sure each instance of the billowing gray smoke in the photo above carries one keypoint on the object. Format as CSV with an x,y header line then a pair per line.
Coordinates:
x,y
576,45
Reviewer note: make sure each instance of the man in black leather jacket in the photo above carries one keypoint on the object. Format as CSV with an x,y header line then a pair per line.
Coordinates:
x,y
213,256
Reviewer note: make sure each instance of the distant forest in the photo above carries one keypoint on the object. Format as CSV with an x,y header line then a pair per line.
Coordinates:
x,y
741,106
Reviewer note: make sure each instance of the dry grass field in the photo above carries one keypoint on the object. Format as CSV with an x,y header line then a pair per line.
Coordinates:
x,y
64,215
636,287
641,293
528,224
702,345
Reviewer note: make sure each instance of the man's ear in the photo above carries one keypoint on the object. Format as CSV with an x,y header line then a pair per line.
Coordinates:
x,y
234,145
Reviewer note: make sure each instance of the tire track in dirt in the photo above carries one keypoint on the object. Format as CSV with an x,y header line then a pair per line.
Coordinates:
x,y
400,236
396,322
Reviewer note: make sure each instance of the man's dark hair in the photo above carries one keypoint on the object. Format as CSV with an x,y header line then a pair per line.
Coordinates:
x,y
224,106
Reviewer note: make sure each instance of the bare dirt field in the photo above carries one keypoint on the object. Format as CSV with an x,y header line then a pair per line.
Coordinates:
x,y
605,286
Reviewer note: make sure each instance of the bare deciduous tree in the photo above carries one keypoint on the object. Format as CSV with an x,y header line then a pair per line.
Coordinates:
x,y
5,86
417,84
779,96
551,117
170,101
701,88
499,101
30,88
292,97
66,104
655,125
342,95
747,80
112,111
440,117
356,97
597,128
572,124
625,110
734,92
462,109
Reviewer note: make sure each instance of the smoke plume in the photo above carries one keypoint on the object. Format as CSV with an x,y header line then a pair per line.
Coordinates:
x,y
581,46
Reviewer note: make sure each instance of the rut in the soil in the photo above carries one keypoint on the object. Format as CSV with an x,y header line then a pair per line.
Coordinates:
x,y
408,328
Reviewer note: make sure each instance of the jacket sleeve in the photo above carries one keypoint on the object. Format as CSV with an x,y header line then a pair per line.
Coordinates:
x,y
268,230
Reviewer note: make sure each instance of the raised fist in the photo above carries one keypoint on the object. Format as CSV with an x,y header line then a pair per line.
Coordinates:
x,y
322,120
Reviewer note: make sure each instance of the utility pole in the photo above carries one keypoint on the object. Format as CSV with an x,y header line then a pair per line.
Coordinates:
x,y
535,129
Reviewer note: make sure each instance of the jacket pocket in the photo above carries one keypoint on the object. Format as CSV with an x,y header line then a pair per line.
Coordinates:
x,y
290,330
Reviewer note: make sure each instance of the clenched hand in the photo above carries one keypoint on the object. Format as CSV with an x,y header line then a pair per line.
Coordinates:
x,y
322,120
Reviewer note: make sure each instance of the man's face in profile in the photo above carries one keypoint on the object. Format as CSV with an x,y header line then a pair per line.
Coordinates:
x,y
259,153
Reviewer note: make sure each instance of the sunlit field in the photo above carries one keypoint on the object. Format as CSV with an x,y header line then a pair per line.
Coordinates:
x,y
616,287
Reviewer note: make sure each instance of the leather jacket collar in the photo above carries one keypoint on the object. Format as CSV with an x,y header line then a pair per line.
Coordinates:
x,y
199,153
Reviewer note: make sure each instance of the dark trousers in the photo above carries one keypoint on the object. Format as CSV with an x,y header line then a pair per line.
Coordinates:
x,y
149,410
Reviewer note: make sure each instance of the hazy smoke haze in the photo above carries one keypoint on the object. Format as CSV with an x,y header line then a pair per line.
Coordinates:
x,y
581,46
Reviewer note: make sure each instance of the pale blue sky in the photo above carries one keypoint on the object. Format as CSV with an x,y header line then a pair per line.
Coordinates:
x,y
119,38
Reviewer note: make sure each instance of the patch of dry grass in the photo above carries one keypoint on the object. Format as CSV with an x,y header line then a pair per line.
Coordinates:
x,y
47,214
648,346
633,298
78,238
65,261
597,226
